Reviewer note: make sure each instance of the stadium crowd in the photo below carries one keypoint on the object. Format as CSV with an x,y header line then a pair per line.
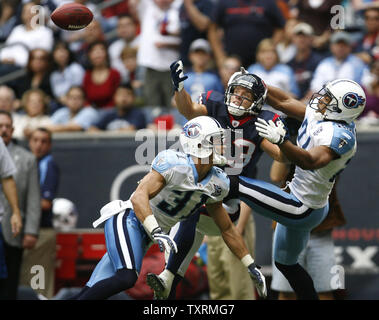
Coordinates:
x,y
131,45
115,73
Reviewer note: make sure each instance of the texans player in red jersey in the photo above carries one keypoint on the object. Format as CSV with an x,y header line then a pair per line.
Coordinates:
x,y
236,110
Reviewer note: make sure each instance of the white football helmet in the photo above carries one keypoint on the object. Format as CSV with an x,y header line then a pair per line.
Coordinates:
x,y
203,136
65,214
347,100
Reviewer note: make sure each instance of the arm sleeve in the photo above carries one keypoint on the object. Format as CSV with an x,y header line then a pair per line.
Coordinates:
x,y
33,202
7,166
164,163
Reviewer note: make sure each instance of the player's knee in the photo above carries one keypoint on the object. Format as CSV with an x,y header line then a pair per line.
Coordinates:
x,y
284,268
126,278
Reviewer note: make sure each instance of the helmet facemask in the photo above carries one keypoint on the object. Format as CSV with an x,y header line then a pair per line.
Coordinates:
x,y
237,109
327,101
217,143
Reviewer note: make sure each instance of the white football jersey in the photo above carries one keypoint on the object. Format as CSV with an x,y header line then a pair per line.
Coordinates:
x,y
183,193
312,187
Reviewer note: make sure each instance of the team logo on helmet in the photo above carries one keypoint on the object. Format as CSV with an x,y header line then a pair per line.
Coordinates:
x,y
351,100
192,130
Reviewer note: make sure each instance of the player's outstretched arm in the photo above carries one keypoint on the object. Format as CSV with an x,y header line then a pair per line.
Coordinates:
x,y
282,101
230,234
150,185
314,158
236,244
183,100
147,189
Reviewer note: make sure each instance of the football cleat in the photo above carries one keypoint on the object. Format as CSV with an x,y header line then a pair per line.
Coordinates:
x,y
158,285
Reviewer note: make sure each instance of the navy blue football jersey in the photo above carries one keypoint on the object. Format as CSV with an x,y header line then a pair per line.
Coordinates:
x,y
249,141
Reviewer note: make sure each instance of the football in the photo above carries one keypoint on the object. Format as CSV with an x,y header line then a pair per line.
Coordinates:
x,y
72,16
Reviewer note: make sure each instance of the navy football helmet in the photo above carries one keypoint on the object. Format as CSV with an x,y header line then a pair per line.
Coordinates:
x,y
251,82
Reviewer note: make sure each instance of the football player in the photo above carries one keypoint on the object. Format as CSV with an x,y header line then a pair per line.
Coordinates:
x,y
177,185
236,110
326,143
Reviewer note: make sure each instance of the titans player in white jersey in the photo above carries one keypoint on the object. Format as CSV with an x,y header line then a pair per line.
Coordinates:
x,y
326,143
177,185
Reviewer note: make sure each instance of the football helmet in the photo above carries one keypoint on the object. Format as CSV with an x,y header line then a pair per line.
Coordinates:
x,y
251,82
347,100
203,136
65,214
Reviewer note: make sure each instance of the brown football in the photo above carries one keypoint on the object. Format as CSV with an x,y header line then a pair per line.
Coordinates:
x,y
72,16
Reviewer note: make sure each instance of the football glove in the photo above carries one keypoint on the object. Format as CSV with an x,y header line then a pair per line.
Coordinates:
x,y
258,279
273,132
165,242
177,75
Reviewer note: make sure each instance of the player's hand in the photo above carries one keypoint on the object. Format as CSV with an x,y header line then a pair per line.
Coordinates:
x,y
258,279
273,132
165,242
177,75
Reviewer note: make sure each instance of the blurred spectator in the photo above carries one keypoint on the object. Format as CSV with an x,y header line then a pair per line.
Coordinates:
x,y
272,71
43,254
318,14
127,38
124,116
230,65
342,64
368,46
8,19
306,59
200,78
245,24
285,47
100,80
7,99
159,47
66,72
8,187
26,37
37,76
115,11
28,193
93,33
370,115
194,22
75,116
134,74
34,104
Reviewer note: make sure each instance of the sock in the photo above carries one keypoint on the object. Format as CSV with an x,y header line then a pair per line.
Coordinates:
x,y
175,282
300,281
167,276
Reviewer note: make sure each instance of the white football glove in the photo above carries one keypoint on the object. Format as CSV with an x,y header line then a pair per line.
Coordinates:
x,y
258,279
165,242
274,133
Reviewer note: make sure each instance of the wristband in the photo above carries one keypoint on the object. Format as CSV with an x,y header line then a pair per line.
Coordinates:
x,y
150,223
247,260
